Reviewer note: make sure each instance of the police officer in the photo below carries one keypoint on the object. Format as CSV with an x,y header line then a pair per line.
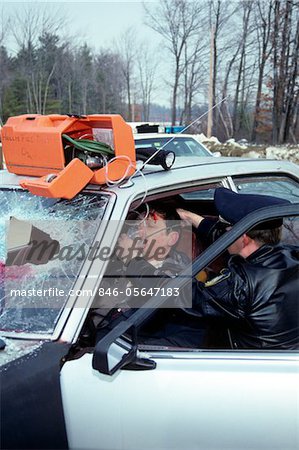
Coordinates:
x,y
257,295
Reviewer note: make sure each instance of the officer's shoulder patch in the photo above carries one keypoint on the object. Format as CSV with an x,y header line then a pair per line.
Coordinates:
x,y
218,279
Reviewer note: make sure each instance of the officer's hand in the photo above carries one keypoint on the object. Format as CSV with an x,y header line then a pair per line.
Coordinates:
x,y
190,217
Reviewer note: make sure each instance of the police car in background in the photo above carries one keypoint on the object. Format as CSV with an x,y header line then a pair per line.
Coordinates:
x,y
155,136
180,144
62,389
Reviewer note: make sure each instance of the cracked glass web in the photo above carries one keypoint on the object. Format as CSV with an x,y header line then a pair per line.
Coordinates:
x,y
73,224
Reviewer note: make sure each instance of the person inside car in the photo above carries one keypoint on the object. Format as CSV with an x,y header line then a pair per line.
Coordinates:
x,y
153,236
256,297
160,232
169,326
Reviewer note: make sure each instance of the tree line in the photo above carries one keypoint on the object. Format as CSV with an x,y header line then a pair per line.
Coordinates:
x,y
49,74
239,58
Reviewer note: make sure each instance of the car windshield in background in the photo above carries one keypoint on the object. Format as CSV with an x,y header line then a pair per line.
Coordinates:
x,y
43,243
181,146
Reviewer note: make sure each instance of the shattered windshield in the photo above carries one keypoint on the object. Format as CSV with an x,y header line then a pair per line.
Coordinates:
x,y
43,244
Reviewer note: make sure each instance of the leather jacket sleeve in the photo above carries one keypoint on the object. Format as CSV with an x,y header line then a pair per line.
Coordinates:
x,y
257,297
226,295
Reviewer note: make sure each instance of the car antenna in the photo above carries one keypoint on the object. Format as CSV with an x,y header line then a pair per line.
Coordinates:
x,y
184,129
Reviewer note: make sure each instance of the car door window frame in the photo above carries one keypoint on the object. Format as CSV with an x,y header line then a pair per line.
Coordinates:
x,y
239,180
248,222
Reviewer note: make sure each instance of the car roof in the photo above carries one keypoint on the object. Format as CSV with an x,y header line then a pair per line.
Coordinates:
x,y
191,168
185,170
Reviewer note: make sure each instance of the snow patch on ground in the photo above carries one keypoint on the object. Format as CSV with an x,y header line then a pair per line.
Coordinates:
x,y
245,149
283,153
254,154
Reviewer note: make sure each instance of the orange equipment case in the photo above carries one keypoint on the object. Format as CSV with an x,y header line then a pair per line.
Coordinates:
x,y
32,145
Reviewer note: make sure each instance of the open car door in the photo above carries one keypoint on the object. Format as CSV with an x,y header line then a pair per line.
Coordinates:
x,y
182,399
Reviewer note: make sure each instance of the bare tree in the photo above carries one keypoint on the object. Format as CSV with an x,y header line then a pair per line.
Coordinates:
x,y
285,67
34,29
224,113
220,14
83,77
291,86
247,8
65,76
4,26
147,67
4,59
109,89
263,19
127,49
194,73
176,21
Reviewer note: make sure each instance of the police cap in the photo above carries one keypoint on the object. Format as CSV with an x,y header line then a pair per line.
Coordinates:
x,y
232,207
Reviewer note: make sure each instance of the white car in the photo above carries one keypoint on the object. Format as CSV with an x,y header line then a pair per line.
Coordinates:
x,y
180,144
61,388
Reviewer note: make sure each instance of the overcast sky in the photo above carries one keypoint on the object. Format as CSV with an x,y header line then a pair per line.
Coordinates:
x,y
97,22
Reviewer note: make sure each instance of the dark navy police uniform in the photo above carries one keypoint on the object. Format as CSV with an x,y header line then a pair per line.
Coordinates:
x,y
258,296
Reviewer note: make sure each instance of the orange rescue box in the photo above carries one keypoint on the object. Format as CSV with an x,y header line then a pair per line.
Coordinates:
x,y
33,145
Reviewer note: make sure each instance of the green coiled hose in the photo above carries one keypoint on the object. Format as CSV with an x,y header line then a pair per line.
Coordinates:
x,y
86,145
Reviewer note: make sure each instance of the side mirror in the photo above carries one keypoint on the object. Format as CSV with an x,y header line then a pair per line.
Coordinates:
x,y
110,356
217,154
